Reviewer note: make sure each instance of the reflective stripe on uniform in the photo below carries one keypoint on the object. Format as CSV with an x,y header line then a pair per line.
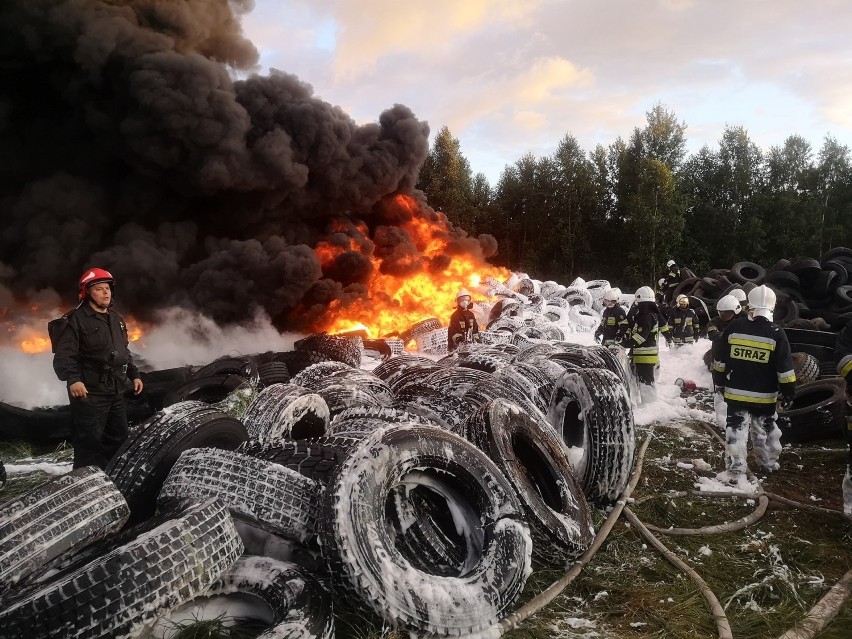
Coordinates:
x,y
786,376
845,366
755,341
718,366
646,355
751,397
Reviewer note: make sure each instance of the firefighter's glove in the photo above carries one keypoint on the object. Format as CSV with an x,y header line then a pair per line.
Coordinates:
x,y
785,403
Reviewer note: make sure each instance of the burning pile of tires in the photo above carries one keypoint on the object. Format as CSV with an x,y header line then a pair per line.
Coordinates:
x,y
423,491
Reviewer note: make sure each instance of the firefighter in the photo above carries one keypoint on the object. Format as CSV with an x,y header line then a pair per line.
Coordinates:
x,y
463,328
670,281
613,320
740,295
644,327
752,362
684,322
93,358
729,309
843,356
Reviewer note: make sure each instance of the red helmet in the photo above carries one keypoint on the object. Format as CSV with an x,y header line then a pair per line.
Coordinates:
x,y
94,276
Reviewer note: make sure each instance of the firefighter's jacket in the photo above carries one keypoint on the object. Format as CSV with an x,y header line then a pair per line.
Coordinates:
x,y
684,325
646,324
672,280
717,326
753,362
93,349
613,325
462,328
843,353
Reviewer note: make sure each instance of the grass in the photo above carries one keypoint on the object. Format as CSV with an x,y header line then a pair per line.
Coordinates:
x,y
767,576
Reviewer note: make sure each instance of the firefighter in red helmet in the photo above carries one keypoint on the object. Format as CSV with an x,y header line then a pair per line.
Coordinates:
x,y
93,358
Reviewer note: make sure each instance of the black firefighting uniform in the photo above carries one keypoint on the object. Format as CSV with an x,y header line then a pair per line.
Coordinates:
x,y
645,325
684,323
752,361
672,279
843,357
93,349
462,328
717,326
613,325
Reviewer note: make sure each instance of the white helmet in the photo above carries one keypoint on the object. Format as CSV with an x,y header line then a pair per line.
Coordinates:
x,y
670,263
682,298
611,295
617,292
462,292
761,301
728,303
645,294
739,295
661,282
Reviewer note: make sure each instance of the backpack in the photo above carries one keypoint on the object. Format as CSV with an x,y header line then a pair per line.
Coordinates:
x,y
56,327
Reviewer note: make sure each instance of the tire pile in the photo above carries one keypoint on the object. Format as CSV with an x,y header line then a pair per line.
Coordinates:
x,y
423,492
814,302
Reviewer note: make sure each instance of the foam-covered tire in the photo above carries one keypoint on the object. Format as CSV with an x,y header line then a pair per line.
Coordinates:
x,y
591,411
433,404
359,542
60,516
116,587
487,390
290,601
286,411
142,463
245,367
268,495
395,366
533,460
315,374
421,328
456,380
316,458
818,412
359,420
333,347
412,375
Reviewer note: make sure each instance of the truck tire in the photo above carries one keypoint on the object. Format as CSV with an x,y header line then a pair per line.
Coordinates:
x,y
591,411
58,517
818,412
116,587
365,562
142,463
286,411
317,458
268,495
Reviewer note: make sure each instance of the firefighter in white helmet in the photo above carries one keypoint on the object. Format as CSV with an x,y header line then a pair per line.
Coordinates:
x,y
613,320
684,322
645,325
752,363
843,356
670,281
463,328
728,309
740,295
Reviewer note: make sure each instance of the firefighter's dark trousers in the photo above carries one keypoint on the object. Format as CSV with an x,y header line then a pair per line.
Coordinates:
x,y
100,428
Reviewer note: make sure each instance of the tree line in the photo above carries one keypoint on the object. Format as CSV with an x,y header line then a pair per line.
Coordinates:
x,y
620,211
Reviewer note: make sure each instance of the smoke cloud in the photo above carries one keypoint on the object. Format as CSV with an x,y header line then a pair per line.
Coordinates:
x,y
134,135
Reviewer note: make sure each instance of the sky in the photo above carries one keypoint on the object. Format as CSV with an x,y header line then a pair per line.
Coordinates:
x,y
510,77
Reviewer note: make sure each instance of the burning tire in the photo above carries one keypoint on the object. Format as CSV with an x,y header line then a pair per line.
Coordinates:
x,y
818,412
591,412
60,516
117,586
145,459
286,597
533,460
267,495
286,411
365,561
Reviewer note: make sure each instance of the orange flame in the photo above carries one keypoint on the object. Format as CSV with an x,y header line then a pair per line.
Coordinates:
x,y
395,303
28,330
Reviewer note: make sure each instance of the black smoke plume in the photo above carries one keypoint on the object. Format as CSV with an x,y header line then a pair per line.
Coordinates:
x,y
129,141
